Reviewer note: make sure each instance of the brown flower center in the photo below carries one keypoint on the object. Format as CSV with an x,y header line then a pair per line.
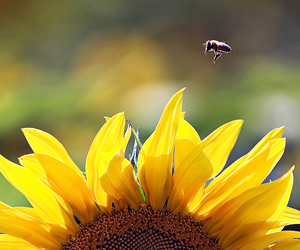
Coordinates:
x,y
146,228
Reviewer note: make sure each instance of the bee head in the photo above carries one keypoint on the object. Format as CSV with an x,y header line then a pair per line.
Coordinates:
x,y
207,45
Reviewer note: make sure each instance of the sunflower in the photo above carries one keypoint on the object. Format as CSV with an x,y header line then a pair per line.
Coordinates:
x,y
166,204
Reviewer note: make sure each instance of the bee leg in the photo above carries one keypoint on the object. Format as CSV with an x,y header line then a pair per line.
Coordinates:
x,y
217,55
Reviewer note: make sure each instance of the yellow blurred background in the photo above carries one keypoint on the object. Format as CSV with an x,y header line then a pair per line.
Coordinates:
x,y
66,64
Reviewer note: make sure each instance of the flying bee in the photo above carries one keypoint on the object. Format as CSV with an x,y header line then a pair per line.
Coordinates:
x,y
217,47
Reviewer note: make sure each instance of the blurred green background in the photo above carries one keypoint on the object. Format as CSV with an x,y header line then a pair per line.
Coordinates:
x,y
66,64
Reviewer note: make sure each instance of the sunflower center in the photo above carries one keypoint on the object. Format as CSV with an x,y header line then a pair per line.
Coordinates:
x,y
145,228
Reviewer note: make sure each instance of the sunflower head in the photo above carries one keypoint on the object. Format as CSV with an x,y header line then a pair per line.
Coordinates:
x,y
158,199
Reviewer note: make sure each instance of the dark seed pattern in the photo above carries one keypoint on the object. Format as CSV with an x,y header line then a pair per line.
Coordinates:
x,y
146,228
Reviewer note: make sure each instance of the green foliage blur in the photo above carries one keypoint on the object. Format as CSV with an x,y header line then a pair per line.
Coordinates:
x,y
66,64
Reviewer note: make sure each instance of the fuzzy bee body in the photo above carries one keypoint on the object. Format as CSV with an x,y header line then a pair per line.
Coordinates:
x,y
217,47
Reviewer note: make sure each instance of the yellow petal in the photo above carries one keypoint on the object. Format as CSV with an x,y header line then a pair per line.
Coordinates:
x,y
25,227
193,172
44,143
274,134
39,195
218,145
182,115
157,184
30,162
234,180
275,229
290,216
142,154
29,211
198,197
126,140
226,211
245,225
58,231
166,130
155,165
70,185
119,181
289,244
8,242
273,148
109,140
186,140
267,240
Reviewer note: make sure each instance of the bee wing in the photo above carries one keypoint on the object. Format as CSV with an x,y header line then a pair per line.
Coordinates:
x,y
223,47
